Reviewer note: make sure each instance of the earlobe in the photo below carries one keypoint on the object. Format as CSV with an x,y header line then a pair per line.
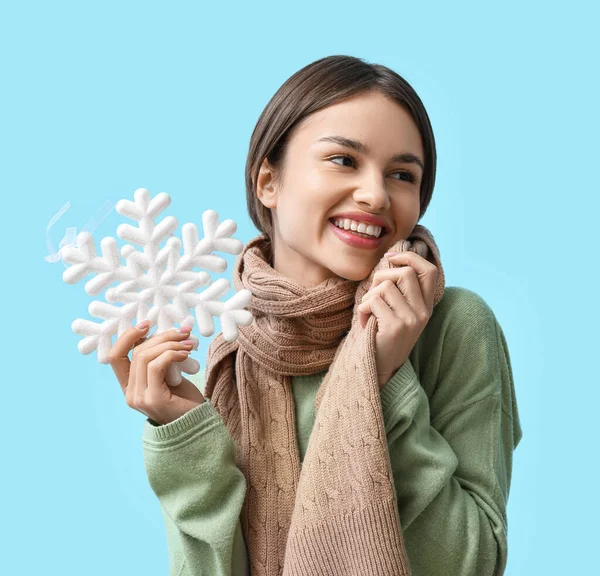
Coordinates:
x,y
265,189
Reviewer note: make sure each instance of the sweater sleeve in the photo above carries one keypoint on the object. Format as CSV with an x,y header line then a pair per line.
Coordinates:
x,y
190,464
451,455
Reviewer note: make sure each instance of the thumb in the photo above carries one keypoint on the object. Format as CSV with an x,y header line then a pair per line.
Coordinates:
x,y
364,312
118,355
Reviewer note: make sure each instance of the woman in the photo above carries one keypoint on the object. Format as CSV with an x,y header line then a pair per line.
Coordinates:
x,y
365,422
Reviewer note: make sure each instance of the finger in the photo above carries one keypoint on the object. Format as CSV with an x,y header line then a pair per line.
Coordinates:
x,y
396,299
118,355
144,358
167,335
426,272
388,274
130,391
393,298
138,374
381,310
406,283
157,367
401,280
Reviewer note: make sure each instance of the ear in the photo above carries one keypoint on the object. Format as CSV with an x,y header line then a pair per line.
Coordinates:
x,y
265,188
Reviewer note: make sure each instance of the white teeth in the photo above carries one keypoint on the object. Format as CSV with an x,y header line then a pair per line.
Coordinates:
x,y
355,226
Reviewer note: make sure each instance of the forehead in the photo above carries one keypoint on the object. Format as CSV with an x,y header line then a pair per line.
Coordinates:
x,y
376,120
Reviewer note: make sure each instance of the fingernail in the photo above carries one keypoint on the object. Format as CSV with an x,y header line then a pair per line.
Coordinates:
x,y
185,329
390,253
143,325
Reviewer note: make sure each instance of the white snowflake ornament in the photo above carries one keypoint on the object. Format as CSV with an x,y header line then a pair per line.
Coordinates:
x,y
157,284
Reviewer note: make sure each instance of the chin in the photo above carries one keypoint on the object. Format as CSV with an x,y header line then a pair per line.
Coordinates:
x,y
354,273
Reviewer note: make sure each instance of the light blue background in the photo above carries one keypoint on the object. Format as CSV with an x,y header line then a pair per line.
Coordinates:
x,y
99,99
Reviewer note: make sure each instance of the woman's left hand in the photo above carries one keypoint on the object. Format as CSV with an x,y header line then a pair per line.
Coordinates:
x,y
402,310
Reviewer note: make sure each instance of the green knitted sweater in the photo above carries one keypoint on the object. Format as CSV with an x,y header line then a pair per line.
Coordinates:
x,y
452,424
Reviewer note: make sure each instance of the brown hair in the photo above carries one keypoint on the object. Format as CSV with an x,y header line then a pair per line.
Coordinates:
x,y
320,84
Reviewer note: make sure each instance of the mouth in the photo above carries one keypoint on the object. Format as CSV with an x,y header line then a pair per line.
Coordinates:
x,y
356,239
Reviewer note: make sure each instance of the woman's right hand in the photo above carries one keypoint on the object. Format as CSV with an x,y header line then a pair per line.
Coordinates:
x,y
143,378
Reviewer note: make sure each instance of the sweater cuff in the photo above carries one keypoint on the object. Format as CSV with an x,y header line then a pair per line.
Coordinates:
x,y
395,390
199,417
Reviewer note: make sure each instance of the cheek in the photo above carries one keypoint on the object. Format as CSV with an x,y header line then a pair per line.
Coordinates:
x,y
408,208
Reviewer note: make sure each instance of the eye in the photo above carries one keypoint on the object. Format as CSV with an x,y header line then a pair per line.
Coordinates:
x,y
342,156
408,175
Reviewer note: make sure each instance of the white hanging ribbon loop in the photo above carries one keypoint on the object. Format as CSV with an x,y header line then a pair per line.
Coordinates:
x,y
70,237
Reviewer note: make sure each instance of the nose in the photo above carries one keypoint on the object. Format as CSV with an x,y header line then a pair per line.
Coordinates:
x,y
373,193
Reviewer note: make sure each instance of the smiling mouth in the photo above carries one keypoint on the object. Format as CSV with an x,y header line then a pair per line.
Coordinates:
x,y
383,232
354,240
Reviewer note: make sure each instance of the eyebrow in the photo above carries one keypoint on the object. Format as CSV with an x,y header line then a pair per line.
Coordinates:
x,y
363,149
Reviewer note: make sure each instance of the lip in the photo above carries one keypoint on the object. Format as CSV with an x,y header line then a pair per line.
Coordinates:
x,y
355,241
364,217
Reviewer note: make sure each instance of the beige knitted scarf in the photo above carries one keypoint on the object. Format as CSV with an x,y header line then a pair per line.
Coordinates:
x,y
336,512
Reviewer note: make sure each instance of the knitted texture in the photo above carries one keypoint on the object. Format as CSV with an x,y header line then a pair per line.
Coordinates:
x,y
336,513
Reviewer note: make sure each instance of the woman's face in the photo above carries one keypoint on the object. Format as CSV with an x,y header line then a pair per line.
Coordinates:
x,y
320,183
